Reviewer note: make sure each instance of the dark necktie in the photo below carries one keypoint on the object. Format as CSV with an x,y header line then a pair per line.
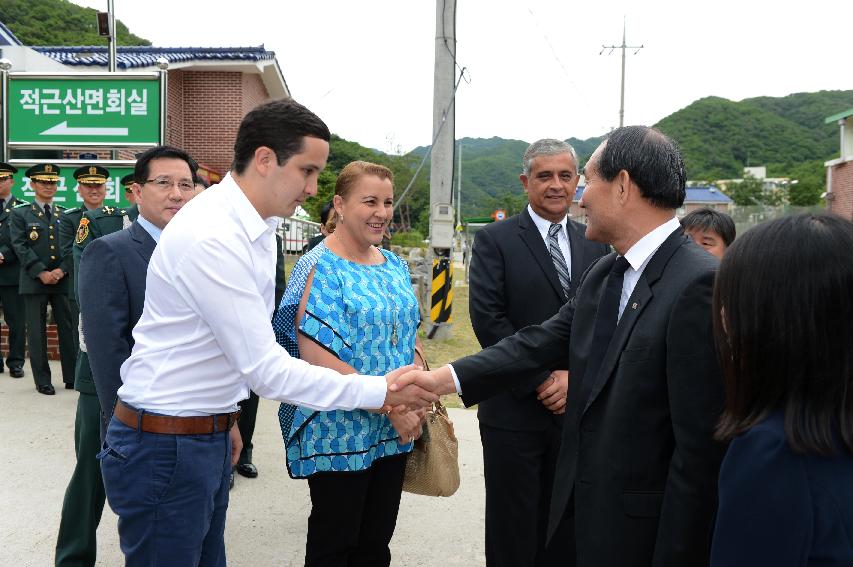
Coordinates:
x,y
47,212
606,319
557,258
2,204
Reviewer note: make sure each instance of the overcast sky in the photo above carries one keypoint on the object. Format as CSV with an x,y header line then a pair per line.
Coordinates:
x,y
366,67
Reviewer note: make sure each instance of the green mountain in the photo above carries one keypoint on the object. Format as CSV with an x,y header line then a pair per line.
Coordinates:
x,y
719,137
59,22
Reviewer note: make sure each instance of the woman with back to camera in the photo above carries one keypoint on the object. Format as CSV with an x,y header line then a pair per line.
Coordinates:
x,y
350,306
783,308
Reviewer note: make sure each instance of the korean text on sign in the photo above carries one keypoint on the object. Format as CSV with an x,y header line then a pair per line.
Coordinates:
x,y
90,102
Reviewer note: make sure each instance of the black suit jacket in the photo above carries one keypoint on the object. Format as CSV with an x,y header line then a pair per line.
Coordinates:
x,y
112,294
513,284
638,465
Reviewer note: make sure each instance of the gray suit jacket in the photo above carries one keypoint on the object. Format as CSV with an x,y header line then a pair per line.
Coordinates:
x,y
112,294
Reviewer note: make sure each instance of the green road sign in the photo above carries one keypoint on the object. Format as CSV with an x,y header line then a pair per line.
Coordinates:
x,y
66,192
82,111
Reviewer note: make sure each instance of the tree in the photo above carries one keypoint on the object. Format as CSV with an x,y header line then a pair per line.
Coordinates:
x,y
747,193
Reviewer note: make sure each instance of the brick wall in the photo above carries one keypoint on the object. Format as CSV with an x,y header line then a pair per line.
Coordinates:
x,y
842,190
52,342
175,105
254,92
212,111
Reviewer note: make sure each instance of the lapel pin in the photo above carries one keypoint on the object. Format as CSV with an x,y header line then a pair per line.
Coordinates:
x,y
634,305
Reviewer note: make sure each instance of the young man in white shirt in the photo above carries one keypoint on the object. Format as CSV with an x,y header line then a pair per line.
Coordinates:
x,y
204,340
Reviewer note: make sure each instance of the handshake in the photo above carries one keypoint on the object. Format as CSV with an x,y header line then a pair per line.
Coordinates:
x,y
414,388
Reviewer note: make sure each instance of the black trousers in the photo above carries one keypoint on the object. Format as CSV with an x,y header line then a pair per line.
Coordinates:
x,y
15,319
519,467
246,425
36,309
353,515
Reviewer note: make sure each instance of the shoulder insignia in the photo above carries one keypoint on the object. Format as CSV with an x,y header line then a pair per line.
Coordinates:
x,y
22,204
82,231
74,210
109,210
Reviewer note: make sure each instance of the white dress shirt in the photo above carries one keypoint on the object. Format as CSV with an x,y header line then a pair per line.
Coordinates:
x,y
638,257
153,230
562,237
205,338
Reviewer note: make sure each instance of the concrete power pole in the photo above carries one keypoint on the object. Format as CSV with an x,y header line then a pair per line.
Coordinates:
x,y
623,47
441,222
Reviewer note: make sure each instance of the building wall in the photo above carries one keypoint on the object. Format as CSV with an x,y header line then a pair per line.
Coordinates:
x,y
254,92
175,110
842,189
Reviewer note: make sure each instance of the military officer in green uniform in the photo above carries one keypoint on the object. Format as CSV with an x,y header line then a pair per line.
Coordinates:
x,y
127,182
92,188
10,268
76,543
34,234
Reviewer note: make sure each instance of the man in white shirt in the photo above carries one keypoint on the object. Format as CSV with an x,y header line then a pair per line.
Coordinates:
x,y
204,340
636,475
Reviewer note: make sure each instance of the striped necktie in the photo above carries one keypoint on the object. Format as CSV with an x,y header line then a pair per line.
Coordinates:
x,y
557,258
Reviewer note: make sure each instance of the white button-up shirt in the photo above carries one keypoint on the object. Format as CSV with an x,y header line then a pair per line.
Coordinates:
x,y
544,226
205,338
638,257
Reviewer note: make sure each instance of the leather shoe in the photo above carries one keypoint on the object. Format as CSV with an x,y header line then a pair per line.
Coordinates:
x,y
247,469
46,389
69,385
16,372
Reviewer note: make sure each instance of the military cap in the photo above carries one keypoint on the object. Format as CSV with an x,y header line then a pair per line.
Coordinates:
x,y
91,175
43,172
7,170
127,181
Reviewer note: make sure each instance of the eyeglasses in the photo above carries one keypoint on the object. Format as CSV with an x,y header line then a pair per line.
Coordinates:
x,y
164,184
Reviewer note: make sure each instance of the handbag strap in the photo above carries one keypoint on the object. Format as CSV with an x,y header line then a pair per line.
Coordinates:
x,y
420,352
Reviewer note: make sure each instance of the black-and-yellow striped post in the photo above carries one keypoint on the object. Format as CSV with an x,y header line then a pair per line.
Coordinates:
x,y
442,291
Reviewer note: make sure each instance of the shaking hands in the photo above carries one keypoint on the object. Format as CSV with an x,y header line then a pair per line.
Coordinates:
x,y
414,388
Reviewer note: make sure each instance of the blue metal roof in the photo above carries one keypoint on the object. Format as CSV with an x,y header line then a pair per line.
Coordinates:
x,y
146,56
703,194
7,37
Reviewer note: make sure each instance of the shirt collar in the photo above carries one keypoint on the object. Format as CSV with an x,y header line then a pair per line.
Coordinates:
x,y
42,204
154,231
543,224
247,215
640,253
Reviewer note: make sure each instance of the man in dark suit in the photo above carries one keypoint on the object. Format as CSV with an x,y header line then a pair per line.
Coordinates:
x,y
34,234
522,271
10,275
636,477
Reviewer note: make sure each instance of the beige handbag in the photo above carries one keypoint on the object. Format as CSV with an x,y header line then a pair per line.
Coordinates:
x,y
432,468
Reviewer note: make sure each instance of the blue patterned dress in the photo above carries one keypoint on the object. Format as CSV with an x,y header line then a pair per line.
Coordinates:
x,y
352,311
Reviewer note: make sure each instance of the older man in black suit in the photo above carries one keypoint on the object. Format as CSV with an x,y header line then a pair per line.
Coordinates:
x,y
522,271
636,478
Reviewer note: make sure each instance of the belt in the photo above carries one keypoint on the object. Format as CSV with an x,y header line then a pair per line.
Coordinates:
x,y
174,425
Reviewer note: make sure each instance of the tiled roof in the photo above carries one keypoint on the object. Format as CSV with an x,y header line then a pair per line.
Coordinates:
x,y
7,37
146,56
704,194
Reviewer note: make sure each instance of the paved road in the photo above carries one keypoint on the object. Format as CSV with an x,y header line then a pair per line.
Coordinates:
x,y
267,517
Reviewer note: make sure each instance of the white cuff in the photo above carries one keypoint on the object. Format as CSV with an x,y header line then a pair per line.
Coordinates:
x,y
374,392
455,379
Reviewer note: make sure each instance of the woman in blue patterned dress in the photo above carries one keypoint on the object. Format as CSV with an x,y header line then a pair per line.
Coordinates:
x,y
350,306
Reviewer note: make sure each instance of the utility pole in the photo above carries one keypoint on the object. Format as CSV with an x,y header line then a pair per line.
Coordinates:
x,y
623,47
112,53
459,187
441,223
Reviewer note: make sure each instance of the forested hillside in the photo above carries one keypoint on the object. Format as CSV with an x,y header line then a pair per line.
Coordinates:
x,y
59,22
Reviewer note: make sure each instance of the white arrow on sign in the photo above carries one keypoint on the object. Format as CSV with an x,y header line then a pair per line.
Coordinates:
x,y
63,129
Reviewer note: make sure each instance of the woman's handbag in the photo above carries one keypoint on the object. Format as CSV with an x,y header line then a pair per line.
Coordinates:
x,y
432,468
